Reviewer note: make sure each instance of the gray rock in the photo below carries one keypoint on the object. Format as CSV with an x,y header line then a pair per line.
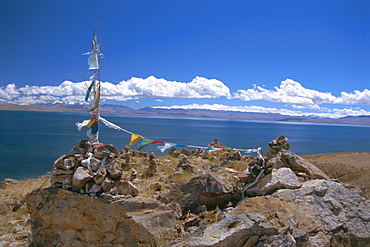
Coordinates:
x,y
288,159
198,191
342,212
231,231
283,178
278,241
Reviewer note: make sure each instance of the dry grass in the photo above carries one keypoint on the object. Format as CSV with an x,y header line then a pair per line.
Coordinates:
x,y
13,210
350,168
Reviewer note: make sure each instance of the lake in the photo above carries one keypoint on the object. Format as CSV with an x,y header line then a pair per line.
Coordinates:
x,y
30,142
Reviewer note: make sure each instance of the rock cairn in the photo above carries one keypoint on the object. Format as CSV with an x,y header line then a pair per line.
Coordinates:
x,y
96,168
275,146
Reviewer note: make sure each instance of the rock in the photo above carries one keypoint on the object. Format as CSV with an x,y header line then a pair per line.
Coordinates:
x,y
111,148
300,237
8,181
158,219
100,176
283,178
298,164
125,187
4,243
201,190
176,208
64,181
73,219
321,240
252,240
323,209
278,240
231,231
107,184
79,149
280,214
101,152
94,164
59,163
277,145
62,172
342,212
18,228
81,177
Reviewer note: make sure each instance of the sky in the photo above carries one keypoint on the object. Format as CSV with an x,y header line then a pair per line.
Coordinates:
x,y
294,57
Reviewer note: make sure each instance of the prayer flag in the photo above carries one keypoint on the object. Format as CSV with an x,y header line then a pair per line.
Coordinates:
x,y
168,145
147,142
144,143
134,138
83,124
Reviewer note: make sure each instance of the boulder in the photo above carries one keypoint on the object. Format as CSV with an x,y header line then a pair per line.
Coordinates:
x,y
231,231
81,177
288,159
198,191
278,240
283,178
323,209
125,187
64,181
61,217
8,181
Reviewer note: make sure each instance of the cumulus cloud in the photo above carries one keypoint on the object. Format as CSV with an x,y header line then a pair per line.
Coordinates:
x,y
293,93
288,92
134,88
330,113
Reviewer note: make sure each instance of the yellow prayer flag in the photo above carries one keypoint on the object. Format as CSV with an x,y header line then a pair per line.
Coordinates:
x,y
91,122
134,138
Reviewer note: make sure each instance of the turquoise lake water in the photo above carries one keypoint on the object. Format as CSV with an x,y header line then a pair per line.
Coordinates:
x,y
30,142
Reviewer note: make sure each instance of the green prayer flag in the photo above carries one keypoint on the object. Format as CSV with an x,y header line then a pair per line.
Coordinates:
x,y
144,143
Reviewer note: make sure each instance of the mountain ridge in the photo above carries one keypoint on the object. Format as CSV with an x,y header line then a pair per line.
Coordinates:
x,y
198,113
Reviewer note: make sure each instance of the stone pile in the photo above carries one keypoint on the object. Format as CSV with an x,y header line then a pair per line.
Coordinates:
x,y
275,146
95,168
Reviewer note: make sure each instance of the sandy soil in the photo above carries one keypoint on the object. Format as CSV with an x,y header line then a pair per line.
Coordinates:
x,y
356,159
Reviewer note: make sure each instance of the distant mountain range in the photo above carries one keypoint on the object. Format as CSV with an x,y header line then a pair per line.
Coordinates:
x,y
119,109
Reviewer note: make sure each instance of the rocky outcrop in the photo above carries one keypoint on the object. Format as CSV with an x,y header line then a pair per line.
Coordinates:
x,y
234,230
317,214
283,178
94,201
296,163
72,219
200,191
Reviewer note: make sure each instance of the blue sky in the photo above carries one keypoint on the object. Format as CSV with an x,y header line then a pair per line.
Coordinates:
x,y
292,57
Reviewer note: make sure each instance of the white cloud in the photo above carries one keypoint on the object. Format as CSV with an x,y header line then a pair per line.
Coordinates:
x,y
199,87
355,98
9,92
331,113
293,93
134,88
290,92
